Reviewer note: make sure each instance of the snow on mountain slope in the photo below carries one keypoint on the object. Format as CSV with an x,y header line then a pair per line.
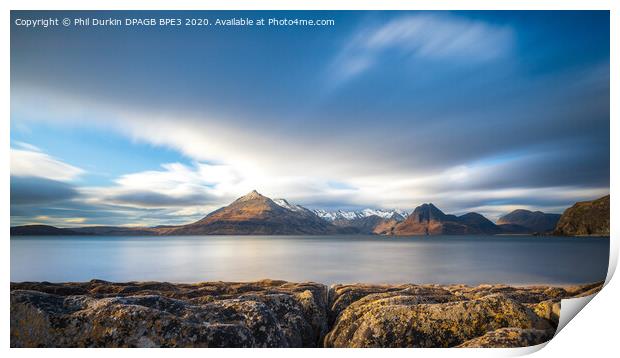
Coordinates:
x,y
351,215
285,204
343,214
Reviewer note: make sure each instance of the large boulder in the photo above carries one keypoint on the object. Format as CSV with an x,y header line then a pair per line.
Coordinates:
x,y
444,316
260,314
402,321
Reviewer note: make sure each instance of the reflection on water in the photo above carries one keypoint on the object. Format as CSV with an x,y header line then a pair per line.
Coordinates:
x,y
327,259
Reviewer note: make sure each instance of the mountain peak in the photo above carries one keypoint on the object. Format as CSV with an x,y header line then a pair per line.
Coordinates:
x,y
253,195
256,214
427,219
427,212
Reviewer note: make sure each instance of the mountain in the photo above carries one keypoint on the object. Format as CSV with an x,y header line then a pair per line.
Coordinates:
x,y
476,223
534,221
351,215
255,214
585,218
427,219
366,221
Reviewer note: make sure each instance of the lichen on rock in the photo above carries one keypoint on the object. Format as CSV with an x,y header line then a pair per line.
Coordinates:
x,y
283,314
444,316
259,314
509,338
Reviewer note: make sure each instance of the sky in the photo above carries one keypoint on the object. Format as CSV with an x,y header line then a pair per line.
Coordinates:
x,y
485,111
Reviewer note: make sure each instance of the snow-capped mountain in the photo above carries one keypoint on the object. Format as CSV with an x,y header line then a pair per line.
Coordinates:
x,y
332,216
351,215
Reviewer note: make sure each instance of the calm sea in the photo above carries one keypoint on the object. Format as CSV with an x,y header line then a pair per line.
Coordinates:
x,y
327,259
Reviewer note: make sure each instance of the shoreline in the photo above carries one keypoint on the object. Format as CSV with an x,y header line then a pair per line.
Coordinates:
x,y
273,313
533,285
300,235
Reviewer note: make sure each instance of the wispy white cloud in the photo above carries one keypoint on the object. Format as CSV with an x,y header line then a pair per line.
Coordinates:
x,y
174,185
26,146
426,36
200,188
29,163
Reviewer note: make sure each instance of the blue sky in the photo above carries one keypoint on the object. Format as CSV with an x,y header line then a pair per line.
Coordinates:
x,y
474,111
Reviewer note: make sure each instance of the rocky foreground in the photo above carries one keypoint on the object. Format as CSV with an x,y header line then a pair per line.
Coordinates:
x,y
283,314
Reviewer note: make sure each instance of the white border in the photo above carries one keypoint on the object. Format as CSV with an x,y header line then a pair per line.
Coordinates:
x,y
593,333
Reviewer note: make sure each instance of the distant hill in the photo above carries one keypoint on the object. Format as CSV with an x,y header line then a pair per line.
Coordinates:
x,y
40,230
585,218
532,221
255,214
427,219
116,230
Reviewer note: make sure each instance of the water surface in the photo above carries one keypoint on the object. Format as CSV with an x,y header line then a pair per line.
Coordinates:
x,y
327,259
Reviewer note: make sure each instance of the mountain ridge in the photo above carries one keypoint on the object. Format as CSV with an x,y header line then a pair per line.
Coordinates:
x,y
333,215
256,214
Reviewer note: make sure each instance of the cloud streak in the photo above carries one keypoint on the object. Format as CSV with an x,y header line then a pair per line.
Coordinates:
x,y
36,190
175,185
433,37
29,163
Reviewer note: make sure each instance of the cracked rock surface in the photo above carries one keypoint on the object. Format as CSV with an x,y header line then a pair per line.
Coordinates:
x,y
151,314
283,314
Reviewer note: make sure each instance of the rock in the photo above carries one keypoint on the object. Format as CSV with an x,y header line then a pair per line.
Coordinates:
x,y
259,314
440,316
509,338
584,290
549,310
586,218
282,314
342,296
533,294
404,321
